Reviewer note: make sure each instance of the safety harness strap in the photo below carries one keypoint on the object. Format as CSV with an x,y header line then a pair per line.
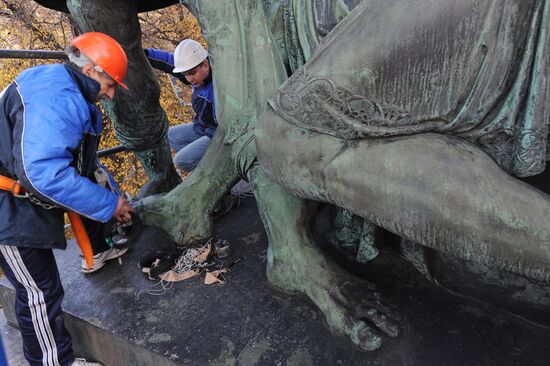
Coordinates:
x,y
82,239
11,185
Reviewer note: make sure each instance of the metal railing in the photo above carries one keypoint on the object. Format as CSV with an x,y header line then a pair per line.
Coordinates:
x,y
111,151
33,54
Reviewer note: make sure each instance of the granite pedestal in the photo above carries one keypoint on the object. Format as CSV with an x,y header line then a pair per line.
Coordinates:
x,y
114,319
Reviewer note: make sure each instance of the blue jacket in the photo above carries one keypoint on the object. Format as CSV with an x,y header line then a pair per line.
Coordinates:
x,y
202,99
49,125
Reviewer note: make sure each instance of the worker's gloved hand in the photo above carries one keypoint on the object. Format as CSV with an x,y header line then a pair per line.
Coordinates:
x,y
123,209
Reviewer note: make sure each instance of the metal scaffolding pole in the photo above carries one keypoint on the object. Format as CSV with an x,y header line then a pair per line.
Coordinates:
x,y
33,54
111,151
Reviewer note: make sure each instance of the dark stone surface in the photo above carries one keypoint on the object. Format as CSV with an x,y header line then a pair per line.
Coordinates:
x,y
143,5
11,340
248,322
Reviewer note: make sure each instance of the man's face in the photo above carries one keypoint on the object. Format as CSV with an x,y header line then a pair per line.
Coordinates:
x,y
107,86
198,74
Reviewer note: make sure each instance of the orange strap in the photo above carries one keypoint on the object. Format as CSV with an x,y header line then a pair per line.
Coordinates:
x,y
11,185
82,238
80,233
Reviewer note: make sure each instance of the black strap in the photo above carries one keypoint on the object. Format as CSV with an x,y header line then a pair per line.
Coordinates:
x,y
4,172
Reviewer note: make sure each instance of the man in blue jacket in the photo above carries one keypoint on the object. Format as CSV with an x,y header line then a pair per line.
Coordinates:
x,y
189,63
49,131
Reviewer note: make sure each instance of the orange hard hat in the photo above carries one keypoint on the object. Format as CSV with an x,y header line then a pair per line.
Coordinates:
x,y
105,52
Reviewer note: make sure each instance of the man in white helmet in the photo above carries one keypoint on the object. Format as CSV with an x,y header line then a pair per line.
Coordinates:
x,y
189,63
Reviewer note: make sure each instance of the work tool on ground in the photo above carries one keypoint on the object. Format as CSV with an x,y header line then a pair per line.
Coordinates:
x,y
119,235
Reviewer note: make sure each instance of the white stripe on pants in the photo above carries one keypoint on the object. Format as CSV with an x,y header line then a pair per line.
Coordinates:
x,y
36,303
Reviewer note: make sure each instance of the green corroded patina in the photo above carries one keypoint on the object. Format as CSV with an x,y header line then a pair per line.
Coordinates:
x,y
355,236
471,75
414,115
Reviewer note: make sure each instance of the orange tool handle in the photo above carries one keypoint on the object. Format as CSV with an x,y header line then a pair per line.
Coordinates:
x,y
82,238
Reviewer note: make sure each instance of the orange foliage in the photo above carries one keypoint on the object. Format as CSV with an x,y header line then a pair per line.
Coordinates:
x,y
26,25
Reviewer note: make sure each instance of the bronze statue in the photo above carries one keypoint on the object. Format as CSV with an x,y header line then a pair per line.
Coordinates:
x,y
415,115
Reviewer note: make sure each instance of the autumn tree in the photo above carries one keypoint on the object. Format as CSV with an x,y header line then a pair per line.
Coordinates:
x,y
27,25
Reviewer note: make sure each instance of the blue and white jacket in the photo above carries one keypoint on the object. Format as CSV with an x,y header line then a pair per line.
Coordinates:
x,y
202,99
49,127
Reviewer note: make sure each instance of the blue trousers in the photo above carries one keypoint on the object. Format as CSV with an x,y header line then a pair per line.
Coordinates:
x,y
39,293
189,146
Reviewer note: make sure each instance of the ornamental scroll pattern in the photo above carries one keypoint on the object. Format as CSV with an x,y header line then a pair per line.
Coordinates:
x,y
319,105
520,153
530,156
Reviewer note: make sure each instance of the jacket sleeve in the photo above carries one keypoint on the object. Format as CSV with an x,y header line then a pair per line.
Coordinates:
x,y
163,61
43,144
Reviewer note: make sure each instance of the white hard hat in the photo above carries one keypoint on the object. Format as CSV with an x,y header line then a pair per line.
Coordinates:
x,y
188,54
